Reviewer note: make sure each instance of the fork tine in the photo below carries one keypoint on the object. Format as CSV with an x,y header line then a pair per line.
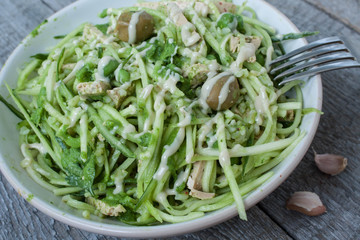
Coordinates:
x,y
324,41
309,55
322,68
312,63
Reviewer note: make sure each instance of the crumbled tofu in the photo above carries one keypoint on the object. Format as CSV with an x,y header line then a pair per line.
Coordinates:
x,y
91,32
200,7
197,73
194,182
118,94
105,208
91,89
68,66
225,7
235,42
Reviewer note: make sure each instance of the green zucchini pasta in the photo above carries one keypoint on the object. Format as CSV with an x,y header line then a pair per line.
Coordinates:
x,y
161,114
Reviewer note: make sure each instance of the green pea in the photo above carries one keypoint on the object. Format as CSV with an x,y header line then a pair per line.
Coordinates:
x,y
227,20
240,24
123,76
110,67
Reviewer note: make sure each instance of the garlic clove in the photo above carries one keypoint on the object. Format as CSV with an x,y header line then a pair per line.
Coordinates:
x,y
307,203
330,163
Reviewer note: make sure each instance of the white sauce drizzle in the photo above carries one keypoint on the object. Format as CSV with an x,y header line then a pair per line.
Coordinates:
x,y
201,9
269,53
127,129
99,76
187,119
261,104
245,53
132,26
146,91
118,180
72,74
189,35
207,87
75,116
170,83
205,130
169,151
213,66
225,92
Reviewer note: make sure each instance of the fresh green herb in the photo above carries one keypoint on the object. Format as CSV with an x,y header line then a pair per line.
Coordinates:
x,y
102,27
40,56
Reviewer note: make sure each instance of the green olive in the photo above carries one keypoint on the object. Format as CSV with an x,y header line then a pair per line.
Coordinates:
x,y
234,91
144,26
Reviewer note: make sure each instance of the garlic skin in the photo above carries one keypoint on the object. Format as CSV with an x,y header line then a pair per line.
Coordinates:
x,y
307,203
330,163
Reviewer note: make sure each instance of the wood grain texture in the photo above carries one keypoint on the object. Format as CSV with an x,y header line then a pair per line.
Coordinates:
x,y
346,11
338,133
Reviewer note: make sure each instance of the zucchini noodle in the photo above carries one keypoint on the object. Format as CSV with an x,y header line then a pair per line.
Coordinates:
x,y
163,127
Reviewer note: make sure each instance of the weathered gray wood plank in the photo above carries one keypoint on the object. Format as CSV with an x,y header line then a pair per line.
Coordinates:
x,y
16,21
338,133
19,220
346,11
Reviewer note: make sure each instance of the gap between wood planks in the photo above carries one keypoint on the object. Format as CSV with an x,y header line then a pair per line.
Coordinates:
x,y
263,209
333,15
48,6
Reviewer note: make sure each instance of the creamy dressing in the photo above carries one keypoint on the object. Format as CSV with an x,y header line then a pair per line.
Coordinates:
x,y
148,121
146,91
188,34
99,75
201,8
182,177
207,87
261,105
72,74
132,26
187,118
192,55
269,53
206,129
169,151
127,129
75,116
157,104
213,66
247,51
118,180
212,140
170,83
225,92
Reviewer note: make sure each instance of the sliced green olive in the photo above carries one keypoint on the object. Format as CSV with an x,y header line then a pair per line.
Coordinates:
x,y
232,95
143,30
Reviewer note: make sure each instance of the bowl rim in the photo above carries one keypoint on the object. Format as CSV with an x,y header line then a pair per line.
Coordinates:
x,y
169,229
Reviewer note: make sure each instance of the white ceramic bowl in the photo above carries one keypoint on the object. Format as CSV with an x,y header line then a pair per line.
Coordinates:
x,y
86,11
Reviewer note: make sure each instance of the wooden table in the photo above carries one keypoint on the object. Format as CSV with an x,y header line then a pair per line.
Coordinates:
x,y
338,132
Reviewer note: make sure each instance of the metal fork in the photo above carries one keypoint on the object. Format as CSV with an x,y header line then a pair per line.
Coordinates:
x,y
320,56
